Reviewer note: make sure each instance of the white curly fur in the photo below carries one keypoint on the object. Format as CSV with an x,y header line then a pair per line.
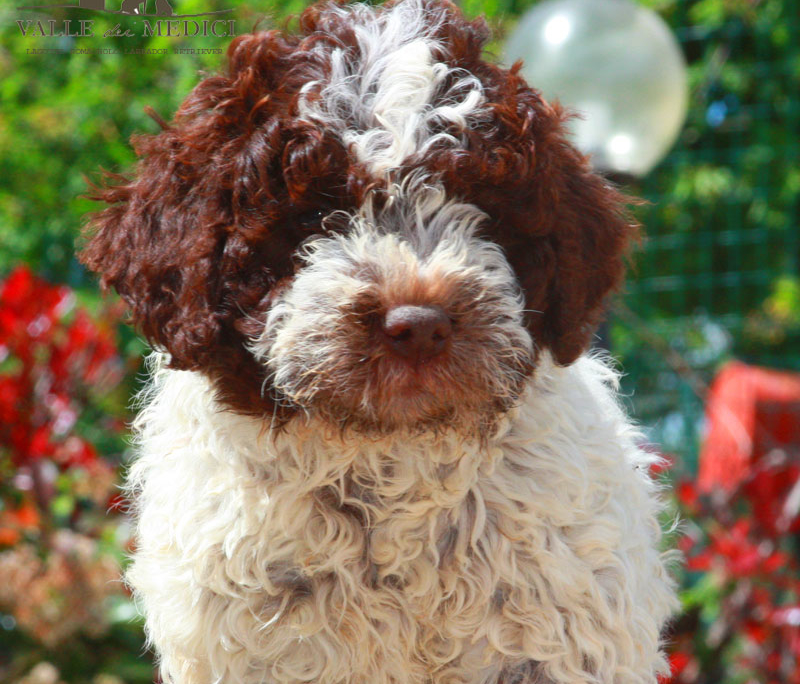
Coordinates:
x,y
388,104
420,248
488,530
540,545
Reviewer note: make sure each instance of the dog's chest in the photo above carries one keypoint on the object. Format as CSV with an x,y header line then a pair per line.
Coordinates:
x,y
301,558
397,559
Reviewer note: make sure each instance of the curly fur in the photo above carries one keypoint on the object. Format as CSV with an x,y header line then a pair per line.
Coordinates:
x,y
319,339
310,505
305,556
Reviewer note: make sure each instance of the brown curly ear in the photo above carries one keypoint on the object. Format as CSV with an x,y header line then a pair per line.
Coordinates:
x,y
591,232
564,229
196,240
164,244
139,246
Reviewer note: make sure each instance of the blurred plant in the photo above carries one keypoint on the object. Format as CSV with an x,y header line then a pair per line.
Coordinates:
x,y
741,597
778,320
66,115
47,673
51,354
721,241
60,553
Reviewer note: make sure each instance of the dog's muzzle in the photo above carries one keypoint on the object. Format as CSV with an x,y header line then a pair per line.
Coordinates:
x,y
414,328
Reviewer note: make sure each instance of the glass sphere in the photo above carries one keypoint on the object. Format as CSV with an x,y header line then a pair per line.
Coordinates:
x,y
618,66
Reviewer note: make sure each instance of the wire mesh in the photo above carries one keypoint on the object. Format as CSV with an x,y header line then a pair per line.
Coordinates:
x,y
722,232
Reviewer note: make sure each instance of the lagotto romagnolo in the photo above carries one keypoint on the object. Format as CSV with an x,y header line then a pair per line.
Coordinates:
x,y
374,449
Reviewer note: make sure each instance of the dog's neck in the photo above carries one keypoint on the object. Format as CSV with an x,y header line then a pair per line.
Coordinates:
x,y
381,475
312,456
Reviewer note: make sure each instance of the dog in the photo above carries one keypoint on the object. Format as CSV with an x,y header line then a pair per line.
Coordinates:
x,y
375,449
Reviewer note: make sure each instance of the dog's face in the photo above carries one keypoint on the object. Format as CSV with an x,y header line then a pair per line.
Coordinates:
x,y
364,221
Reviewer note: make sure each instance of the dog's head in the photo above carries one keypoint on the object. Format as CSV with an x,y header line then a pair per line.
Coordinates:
x,y
365,221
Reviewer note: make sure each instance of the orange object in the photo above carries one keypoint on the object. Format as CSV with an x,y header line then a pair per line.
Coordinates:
x,y
753,413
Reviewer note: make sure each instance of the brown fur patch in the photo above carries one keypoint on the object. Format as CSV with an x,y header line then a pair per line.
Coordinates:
x,y
197,242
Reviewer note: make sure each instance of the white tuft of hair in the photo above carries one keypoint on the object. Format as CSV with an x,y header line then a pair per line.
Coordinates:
x,y
392,101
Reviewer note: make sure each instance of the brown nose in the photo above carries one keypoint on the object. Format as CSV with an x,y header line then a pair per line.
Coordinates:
x,y
417,332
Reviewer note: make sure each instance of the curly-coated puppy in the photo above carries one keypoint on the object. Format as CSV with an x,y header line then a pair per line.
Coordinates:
x,y
373,451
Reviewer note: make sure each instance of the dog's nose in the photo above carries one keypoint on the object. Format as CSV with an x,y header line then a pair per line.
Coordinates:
x,y
417,332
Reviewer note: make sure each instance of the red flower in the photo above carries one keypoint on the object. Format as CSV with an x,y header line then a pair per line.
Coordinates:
x,y
702,562
678,662
687,495
40,445
29,309
10,398
75,451
756,631
56,360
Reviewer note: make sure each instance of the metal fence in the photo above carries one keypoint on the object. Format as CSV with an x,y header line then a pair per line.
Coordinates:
x,y
716,276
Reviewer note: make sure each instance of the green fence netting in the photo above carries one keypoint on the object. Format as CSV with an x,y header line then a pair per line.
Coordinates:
x,y
717,274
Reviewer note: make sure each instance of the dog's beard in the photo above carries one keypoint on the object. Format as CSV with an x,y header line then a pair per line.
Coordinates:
x,y
373,393
322,341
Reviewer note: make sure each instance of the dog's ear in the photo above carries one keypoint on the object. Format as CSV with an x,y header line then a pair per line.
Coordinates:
x,y
566,229
188,243
588,231
160,244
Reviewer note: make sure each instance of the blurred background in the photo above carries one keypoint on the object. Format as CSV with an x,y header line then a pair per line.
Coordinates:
x,y
707,331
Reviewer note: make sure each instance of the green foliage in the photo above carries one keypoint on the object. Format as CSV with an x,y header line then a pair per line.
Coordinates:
x,y
724,210
67,115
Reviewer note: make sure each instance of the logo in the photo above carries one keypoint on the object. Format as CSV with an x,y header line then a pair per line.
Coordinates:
x,y
174,25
